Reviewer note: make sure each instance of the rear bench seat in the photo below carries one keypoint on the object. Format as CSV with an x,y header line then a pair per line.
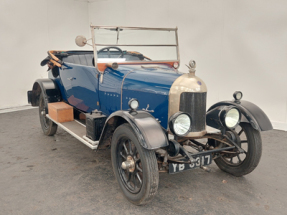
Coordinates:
x,y
81,59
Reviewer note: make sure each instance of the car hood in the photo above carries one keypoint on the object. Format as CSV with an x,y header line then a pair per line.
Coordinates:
x,y
150,86
152,78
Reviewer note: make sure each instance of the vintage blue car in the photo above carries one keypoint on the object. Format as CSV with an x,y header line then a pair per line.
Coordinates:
x,y
128,95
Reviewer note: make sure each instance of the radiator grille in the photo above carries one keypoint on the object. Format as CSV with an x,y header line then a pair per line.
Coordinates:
x,y
195,105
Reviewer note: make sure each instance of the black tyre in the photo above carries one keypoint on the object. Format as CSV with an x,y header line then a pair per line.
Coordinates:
x,y
250,141
135,167
49,127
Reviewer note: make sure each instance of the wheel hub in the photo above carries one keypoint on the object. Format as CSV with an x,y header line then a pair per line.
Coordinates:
x,y
234,137
129,164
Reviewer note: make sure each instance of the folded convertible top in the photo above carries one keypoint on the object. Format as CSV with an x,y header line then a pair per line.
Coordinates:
x,y
54,57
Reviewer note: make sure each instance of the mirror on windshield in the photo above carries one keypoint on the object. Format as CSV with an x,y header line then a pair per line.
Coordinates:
x,y
81,41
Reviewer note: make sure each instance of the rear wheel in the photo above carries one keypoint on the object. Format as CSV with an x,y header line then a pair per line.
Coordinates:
x,y
48,126
135,167
250,141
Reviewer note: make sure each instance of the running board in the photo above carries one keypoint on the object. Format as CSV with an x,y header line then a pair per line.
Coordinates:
x,y
77,130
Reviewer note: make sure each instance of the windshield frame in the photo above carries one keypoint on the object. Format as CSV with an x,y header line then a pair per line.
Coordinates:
x,y
118,28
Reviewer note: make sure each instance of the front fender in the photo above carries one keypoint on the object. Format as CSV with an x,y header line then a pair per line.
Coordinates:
x,y
252,113
148,131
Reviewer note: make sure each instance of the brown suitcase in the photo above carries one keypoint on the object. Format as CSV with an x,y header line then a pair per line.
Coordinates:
x,y
61,112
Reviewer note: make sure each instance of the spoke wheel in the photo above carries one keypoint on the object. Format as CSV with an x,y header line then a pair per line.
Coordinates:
x,y
129,165
236,158
135,168
49,127
240,164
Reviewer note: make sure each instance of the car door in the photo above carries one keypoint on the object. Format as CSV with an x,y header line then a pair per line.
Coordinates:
x,y
81,85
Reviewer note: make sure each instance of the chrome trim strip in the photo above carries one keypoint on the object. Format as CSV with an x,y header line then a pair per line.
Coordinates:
x,y
80,123
98,44
130,63
94,49
132,28
94,143
122,87
77,65
146,62
177,47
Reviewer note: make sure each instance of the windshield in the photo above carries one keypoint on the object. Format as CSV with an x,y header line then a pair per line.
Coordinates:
x,y
125,44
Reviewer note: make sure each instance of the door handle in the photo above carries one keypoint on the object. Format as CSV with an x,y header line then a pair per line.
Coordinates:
x,y
71,78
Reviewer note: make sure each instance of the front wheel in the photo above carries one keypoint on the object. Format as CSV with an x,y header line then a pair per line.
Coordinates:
x,y
250,141
135,167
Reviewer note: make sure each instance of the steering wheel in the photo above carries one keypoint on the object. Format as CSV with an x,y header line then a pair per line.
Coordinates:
x,y
108,50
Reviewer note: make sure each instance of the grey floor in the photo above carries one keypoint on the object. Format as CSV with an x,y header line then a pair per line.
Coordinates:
x,y
60,175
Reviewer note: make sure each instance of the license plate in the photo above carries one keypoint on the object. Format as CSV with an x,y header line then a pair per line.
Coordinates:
x,y
201,160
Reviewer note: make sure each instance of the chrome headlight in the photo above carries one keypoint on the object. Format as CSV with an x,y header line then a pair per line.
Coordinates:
x,y
230,117
133,104
179,124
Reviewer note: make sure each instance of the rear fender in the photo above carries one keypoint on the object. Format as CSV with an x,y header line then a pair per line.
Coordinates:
x,y
148,131
50,91
250,113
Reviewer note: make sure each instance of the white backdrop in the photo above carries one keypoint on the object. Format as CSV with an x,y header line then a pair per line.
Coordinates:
x,y
238,45
28,29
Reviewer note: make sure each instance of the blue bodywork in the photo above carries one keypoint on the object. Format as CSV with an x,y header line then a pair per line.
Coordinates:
x,y
80,87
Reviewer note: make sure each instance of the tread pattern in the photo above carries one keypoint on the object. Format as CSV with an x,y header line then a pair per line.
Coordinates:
x,y
52,127
152,179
